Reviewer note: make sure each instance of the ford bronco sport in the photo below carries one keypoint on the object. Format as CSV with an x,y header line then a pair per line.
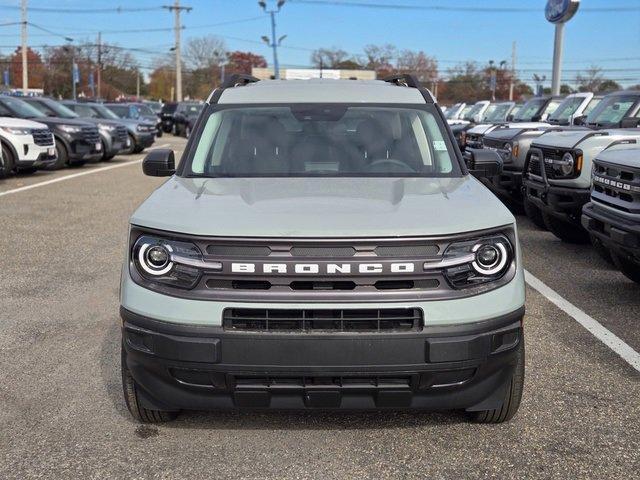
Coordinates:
x,y
612,217
321,245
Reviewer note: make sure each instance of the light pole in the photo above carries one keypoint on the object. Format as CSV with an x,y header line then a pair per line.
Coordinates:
x,y
274,44
559,12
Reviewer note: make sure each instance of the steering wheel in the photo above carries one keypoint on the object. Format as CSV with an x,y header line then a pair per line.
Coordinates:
x,y
396,166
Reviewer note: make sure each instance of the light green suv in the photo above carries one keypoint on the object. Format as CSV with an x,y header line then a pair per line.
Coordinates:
x,y
321,245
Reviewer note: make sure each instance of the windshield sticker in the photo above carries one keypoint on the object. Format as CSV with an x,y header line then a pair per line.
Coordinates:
x,y
439,145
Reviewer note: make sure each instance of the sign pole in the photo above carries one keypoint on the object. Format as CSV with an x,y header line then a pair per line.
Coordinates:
x,y
557,59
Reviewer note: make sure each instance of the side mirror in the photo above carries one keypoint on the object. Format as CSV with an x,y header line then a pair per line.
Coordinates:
x,y
580,120
159,163
483,163
629,122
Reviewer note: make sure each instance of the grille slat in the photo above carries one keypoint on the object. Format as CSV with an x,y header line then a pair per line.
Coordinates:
x,y
90,135
42,137
335,320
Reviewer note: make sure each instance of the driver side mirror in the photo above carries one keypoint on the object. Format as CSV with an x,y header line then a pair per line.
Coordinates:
x,y
629,122
579,120
159,163
483,163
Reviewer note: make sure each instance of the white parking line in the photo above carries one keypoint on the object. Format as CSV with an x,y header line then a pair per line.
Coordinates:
x,y
607,337
76,175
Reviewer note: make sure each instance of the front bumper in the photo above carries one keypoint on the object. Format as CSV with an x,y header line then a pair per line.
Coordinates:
x,y
145,139
180,366
509,182
615,232
562,202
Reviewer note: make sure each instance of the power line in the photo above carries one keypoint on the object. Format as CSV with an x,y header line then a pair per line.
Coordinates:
x,y
83,10
457,8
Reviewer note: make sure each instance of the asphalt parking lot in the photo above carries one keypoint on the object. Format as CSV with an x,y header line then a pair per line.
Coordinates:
x,y
62,414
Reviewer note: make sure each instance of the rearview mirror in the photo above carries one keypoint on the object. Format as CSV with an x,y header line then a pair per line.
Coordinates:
x,y
483,163
159,163
579,120
629,122
510,118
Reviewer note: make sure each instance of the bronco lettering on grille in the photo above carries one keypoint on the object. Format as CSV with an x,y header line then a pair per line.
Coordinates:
x,y
323,268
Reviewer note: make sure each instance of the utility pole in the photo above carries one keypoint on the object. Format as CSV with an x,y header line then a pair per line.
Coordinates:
x,y
177,9
513,70
99,73
25,74
274,43
138,87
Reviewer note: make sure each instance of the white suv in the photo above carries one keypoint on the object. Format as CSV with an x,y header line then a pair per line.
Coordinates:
x,y
26,145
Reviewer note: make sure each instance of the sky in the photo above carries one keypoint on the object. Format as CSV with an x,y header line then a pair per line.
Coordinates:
x,y
605,33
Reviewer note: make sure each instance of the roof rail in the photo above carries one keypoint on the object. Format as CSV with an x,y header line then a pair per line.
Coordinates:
x,y
412,82
238,79
408,79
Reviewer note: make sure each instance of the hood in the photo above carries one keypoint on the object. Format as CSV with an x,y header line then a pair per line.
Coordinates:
x,y
565,139
20,122
629,157
481,129
81,122
459,127
322,207
504,134
457,122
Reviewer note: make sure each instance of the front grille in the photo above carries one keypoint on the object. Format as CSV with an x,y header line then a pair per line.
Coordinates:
x,y
90,135
328,251
361,382
493,143
617,186
474,141
42,136
122,133
334,320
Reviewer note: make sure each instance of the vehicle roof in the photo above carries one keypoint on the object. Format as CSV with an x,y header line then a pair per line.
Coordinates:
x,y
623,92
321,91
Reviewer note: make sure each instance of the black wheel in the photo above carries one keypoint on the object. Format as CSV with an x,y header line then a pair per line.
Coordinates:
x,y
141,414
63,157
7,162
565,231
105,155
534,213
629,267
106,158
132,145
512,397
159,133
601,249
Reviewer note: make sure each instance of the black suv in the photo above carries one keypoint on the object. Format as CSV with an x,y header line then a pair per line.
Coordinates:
x,y
166,116
76,141
113,134
185,118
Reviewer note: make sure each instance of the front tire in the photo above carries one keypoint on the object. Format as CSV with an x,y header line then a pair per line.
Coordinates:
x,y
132,145
512,398
565,231
7,163
132,399
627,266
533,213
63,157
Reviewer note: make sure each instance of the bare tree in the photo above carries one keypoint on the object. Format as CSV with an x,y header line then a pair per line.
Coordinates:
x,y
328,57
204,52
380,57
591,80
418,63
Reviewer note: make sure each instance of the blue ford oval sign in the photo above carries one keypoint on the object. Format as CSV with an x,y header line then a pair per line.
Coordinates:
x,y
560,11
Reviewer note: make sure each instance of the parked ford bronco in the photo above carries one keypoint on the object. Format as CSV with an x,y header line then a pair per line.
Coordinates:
x,y
557,178
322,245
612,217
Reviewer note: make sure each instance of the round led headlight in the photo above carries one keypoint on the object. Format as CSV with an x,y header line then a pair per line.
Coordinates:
x,y
491,258
155,259
508,147
567,164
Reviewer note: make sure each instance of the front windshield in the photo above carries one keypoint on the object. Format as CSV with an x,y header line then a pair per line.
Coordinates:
x,y
144,110
497,112
566,109
56,108
121,111
475,109
611,110
323,140
465,111
104,112
21,108
451,112
529,109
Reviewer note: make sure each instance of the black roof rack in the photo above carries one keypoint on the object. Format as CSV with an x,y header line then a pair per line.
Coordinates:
x,y
410,81
238,79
